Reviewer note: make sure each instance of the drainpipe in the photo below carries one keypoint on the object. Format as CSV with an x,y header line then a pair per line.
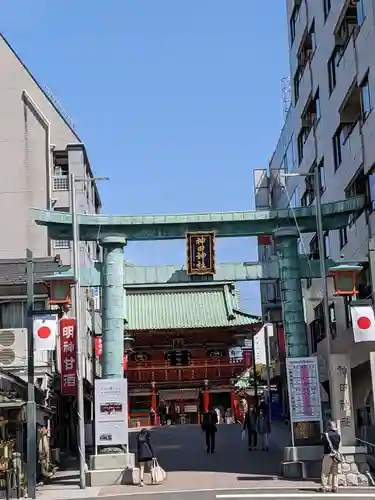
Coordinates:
x,y
35,108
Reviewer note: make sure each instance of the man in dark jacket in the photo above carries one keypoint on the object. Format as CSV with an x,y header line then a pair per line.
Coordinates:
x,y
209,426
250,426
331,443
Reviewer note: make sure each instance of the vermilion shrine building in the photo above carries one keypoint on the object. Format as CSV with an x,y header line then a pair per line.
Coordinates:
x,y
185,337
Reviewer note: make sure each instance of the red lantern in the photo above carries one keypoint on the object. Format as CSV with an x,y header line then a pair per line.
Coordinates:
x,y
59,289
344,278
98,346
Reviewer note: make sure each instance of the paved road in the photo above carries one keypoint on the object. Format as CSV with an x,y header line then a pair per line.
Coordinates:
x,y
232,472
181,451
251,494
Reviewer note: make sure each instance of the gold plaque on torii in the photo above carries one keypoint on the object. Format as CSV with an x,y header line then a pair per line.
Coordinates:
x,y
200,248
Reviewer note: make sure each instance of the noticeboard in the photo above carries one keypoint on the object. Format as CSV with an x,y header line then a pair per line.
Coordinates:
x,y
304,389
111,413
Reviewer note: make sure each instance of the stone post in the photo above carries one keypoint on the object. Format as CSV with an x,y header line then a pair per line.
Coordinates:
x,y
342,404
113,307
296,342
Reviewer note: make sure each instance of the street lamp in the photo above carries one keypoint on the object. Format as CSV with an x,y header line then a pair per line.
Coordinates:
x,y
323,271
77,308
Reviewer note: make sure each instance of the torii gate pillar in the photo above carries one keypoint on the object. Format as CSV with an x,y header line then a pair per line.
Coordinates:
x,y
296,342
113,307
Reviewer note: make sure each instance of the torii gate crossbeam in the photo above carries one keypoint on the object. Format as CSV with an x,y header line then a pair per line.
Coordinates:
x,y
114,231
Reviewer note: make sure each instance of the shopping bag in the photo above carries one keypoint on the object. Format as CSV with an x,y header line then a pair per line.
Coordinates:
x,y
136,475
158,474
243,435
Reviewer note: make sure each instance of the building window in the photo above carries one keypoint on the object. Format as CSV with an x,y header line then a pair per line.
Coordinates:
x,y
293,22
371,189
296,81
327,248
322,176
360,12
317,332
348,317
317,106
312,37
332,71
359,186
302,138
326,7
364,283
312,114
290,158
337,148
365,98
314,248
61,244
60,178
343,236
332,320
307,48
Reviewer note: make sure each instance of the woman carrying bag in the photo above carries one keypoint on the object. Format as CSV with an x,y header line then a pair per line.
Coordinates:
x,y
145,453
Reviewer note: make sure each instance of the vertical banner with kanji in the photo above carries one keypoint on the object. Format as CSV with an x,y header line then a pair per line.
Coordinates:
x,y
68,338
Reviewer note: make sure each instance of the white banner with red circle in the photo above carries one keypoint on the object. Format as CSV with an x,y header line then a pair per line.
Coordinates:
x,y
45,327
363,320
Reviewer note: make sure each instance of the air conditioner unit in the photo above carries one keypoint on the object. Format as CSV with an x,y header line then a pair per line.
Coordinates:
x,y
13,348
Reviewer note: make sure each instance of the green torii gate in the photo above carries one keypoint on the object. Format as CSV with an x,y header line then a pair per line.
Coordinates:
x,y
114,232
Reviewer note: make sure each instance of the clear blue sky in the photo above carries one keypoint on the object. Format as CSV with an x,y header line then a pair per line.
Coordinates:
x,y
177,101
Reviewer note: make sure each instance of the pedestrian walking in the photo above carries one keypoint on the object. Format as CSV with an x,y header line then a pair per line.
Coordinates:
x,y
263,430
145,453
331,458
209,427
250,426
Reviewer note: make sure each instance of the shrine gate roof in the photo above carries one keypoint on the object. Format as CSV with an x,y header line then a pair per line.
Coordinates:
x,y
185,307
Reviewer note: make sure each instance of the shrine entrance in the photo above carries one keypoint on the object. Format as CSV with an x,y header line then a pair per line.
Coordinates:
x,y
116,277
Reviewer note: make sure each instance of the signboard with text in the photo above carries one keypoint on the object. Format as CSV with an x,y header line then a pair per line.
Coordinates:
x,y
111,413
304,389
68,356
200,253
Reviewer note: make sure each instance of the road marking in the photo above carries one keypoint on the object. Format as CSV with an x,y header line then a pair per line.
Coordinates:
x,y
307,494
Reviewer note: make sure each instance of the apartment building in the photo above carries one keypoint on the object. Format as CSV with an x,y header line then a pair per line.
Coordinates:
x,y
39,149
330,124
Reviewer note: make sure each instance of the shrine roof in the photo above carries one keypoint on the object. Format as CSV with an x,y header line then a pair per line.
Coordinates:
x,y
187,307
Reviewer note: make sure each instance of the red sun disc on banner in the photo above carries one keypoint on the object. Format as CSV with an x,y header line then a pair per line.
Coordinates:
x,y
44,332
364,323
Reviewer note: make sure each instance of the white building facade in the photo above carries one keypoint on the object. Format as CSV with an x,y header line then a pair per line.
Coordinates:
x,y
330,124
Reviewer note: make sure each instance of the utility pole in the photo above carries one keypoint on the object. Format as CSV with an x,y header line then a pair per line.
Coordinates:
x,y
268,369
30,407
323,273
255,371
79,357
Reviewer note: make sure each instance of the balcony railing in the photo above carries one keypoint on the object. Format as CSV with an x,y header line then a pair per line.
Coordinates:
x,y
197,370
61,183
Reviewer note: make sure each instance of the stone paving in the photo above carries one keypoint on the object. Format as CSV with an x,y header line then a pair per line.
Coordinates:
x,y
182,453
